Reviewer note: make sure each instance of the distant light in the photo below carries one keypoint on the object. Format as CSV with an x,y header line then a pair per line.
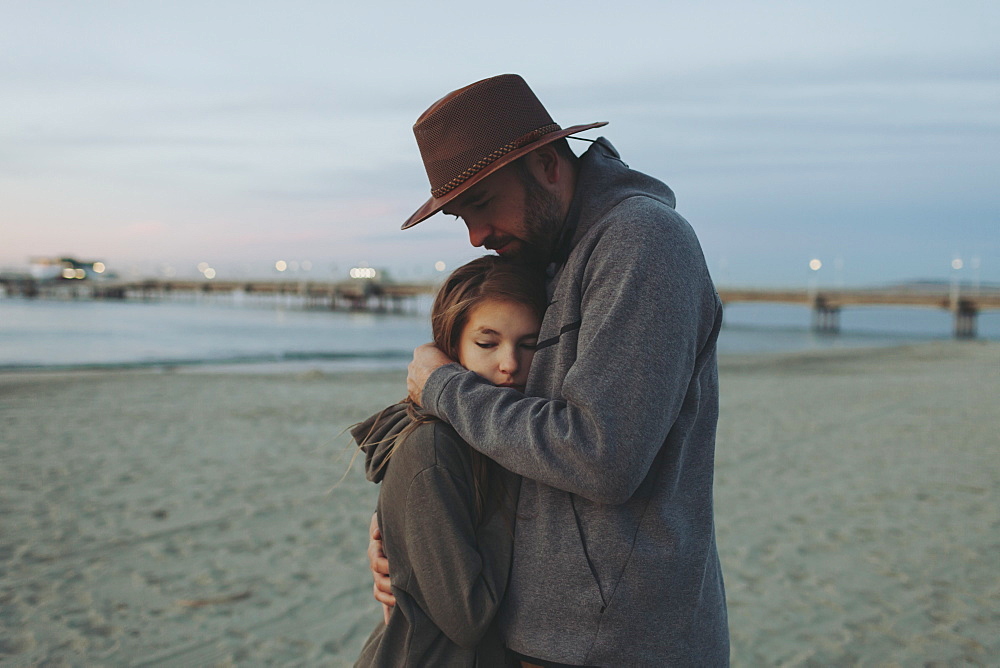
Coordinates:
x,y
80,273
99,267
209,273
306,265
815,264
281,265
957,263
440,265
69,272
202,266
362,272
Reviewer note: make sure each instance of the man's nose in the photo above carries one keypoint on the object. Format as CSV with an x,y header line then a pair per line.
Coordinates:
x,y
478,234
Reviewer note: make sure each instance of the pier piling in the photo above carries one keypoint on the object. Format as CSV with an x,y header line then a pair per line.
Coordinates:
x,y
825,318
965,319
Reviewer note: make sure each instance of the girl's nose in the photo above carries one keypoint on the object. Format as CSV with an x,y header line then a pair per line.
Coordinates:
x,y
508,362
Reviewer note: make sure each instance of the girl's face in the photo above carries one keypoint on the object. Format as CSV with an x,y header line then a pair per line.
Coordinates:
x,y
498,342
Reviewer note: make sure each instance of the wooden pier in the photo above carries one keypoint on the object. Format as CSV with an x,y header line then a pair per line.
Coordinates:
x,y
827,304
376,296
350,295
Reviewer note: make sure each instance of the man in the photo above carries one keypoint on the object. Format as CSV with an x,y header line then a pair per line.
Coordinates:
x,y
615,561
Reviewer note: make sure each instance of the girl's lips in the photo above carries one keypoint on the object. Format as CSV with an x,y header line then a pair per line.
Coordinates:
x,y
519,388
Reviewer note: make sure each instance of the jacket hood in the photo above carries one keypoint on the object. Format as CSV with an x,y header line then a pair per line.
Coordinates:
x,y
376,435
603,181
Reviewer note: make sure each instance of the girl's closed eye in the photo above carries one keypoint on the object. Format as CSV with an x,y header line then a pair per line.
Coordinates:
x,y
498,341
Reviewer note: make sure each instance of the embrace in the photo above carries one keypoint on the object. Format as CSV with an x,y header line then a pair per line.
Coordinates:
x,y
546,488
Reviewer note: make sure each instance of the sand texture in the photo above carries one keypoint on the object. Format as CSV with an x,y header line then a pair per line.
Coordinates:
x,y
192,519
858,507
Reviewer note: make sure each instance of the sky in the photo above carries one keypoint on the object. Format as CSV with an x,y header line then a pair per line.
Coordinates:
x,y
157,135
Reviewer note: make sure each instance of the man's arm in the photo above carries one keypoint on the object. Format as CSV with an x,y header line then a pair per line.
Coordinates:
x,y
648,307
379,566
426,360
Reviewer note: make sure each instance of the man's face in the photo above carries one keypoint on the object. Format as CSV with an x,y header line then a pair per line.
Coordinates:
x,y
511,213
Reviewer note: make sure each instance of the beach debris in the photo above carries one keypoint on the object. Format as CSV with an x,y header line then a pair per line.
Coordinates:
x,y
214,600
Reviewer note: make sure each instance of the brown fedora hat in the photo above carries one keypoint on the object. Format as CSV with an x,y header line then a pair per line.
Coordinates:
x,y
474,131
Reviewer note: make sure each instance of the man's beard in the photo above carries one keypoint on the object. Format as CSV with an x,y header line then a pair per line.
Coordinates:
x,y
542,221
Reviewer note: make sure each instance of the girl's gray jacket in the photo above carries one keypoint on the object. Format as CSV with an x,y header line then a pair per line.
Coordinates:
x,y
448,570
615,560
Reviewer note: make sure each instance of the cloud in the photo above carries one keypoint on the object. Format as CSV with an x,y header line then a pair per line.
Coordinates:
x,y
144,230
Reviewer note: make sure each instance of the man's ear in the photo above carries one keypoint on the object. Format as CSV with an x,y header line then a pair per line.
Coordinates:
x,y
546,165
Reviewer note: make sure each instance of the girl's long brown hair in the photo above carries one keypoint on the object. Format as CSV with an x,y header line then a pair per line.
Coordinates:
x,y
488,278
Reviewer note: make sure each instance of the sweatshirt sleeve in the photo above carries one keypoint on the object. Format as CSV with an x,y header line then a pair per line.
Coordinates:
x,y
461,574
647,308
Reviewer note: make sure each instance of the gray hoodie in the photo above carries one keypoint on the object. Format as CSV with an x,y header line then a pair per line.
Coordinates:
x,y
448,571
615,561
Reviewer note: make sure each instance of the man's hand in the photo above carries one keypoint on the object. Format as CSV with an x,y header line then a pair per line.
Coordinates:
x,y
380,569
426,359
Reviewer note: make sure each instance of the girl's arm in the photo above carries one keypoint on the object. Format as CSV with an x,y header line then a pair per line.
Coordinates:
x,y
458,570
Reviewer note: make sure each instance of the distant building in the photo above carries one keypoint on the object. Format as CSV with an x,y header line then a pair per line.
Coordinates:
x,y
66,269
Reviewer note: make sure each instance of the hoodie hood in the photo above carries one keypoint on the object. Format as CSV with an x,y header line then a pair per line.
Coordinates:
x,y
376,435
603,181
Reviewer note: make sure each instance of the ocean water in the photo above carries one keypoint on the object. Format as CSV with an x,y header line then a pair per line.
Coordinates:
x,y
221,333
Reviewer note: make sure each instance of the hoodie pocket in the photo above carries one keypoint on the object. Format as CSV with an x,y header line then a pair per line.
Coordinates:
x,y
608,536
586,553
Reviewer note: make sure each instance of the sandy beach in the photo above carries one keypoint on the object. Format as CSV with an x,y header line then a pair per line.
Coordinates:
x,y
180,518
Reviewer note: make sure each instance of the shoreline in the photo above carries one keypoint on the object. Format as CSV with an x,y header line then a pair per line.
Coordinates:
x,y
350,364
187,518
280,341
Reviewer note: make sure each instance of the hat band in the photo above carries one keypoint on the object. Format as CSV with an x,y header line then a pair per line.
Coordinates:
x,y
481,164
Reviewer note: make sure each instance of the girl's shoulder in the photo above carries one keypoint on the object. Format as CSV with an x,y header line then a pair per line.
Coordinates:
x,y
432,444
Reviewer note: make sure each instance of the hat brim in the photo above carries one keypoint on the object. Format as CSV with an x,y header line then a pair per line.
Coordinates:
x,y
435,204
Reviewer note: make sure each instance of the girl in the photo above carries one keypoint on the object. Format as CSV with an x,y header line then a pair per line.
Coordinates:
x,y
445,511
